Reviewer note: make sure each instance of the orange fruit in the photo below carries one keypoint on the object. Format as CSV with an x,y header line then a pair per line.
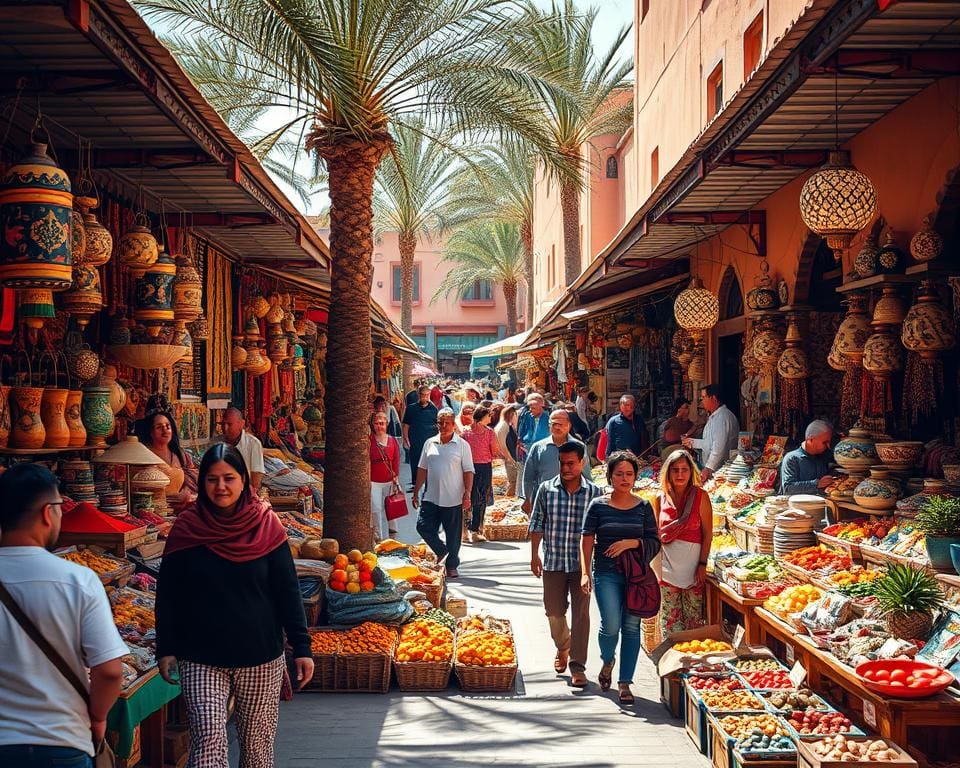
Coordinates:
x,y
338,575
353,587
340,561
366,586
355,555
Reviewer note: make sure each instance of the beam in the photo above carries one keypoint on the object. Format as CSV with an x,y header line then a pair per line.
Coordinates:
x,y
772,159
889,64
160,158
232,220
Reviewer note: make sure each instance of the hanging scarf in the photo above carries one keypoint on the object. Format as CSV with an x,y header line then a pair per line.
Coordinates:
x,y
251,532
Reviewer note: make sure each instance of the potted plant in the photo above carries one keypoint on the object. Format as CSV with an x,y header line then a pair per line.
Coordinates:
x,y
939,521
908,597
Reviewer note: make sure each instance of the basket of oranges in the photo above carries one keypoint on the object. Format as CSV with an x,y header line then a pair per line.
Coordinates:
x,y
424,656
324,644
364,658
486,658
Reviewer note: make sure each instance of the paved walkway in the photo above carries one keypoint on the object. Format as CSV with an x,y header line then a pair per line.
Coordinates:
x,y
545,722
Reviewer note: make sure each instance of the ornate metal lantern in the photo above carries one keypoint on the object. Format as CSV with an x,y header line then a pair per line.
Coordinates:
x,y
696,309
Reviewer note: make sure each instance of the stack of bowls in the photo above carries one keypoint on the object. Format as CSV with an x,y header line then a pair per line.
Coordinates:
x,y
736,470
78,482
814,506
794,530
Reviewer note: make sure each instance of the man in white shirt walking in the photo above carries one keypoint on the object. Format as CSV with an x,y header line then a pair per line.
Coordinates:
x,y
249,445
719,435
44,721
446,468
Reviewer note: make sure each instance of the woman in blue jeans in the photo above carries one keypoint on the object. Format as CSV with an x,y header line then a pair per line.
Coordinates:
x,y
614,524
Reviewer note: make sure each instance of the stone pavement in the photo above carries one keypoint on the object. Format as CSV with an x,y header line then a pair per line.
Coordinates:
x,y
543,723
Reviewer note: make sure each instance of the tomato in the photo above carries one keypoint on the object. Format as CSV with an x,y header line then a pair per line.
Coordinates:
x,y
928,673
870,674
942,678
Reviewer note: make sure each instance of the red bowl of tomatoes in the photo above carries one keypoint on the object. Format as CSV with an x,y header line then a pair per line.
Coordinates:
x,y
904,679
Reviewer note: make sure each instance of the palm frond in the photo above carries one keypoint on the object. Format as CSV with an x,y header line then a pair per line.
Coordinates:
x,y
484,251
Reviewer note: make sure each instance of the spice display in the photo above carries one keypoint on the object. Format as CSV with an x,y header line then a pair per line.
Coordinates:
x,y
715,683
368,638
324,643
757,733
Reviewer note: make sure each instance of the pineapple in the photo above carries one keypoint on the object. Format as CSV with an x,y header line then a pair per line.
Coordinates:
x,y
908,597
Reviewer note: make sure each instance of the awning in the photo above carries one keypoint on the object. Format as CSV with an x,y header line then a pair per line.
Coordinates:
x,y
501,347
419,369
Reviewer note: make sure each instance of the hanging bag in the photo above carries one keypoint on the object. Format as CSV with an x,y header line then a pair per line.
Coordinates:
x,y
395,505
102,754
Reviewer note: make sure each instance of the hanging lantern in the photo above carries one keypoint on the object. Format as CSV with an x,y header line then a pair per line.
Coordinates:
x,y
258,306
854,330
837,201
835,359
889,309
35,208
138,247
767,346
882,354
238,354
276,342
187,291
274,315
78,236
763,296
36,307
792,363
155,294
85,297
98,242
251,329
926,244
928,328
253,361
696,309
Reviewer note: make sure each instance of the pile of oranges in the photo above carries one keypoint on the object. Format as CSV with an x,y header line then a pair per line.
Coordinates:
x,y
425,640
793,599
485,649
353,572
700,647
368,638
324,643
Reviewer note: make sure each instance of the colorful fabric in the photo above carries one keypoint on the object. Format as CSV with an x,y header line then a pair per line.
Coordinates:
x,y
219,309
670,514
251,532
256,691
680,609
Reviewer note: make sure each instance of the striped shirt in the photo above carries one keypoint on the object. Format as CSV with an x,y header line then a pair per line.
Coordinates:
x,y
559,515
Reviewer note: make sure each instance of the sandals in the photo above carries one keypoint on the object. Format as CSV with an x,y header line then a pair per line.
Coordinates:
x,y
605,678
626,697
578,680
560,661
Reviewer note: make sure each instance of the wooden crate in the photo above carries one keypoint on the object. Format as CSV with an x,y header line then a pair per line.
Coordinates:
x,y
506,532
672,694
723,754
807,759
695,720
849,548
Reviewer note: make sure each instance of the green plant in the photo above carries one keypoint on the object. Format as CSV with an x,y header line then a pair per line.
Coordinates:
x,y
940,516
905,589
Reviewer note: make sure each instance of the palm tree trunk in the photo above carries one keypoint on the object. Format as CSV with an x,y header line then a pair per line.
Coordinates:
x,y
570,210
351,166
408,246
510,294
526,237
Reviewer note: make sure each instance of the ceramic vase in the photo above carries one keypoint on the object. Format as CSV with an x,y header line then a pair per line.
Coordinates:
x,y
35,208
98,242
78,433
882,354
97,415
53,405
926,244
865,265
856,451
26,425
877,492
155,294
928,328
118,395
138,248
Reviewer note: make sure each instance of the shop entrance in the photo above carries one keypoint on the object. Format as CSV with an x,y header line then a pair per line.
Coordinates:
x,y
729,352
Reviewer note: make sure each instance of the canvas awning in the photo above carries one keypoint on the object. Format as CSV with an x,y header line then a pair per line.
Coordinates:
x,y
501,347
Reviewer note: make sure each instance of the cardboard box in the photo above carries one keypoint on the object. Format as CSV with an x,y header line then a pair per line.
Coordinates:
x,y
669,661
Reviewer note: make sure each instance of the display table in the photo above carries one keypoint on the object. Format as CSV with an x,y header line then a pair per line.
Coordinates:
x,y
719,595
143,703
891,718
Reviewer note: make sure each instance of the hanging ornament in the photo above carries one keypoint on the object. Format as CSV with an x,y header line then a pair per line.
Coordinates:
x,y
155,295
890,258
98,242
926,244
138,247
238,354
767,346
78,235
36,307
696,309
35,208
85,297
251,330
865,265
792,363
793,369
854,329
837,201
928,330
187,291
200,328
889,309
763,296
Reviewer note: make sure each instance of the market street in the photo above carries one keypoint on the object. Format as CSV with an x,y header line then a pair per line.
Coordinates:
x,y
544,723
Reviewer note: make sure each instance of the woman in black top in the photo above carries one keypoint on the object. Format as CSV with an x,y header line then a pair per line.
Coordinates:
x,y
226,594
612,525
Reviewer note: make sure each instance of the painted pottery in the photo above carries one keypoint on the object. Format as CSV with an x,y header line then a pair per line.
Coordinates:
x,y
890,259
97,238
928,328
97,415
26,425
36,306
900,455
138,248
187,291
118,395
882,354
53,404
926,244
889,309
154,302
854,330
856,451
764,296
35,208
878,492
78,433
85,297
767,347
865,264
4,416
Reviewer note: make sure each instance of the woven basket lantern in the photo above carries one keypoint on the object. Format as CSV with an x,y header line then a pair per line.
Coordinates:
x,y
696,309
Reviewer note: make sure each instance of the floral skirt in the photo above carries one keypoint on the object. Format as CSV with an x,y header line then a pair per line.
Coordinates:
x,y
680,609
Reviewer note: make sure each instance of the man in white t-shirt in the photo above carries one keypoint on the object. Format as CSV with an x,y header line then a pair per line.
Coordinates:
x,y
446,467
249,446
43,719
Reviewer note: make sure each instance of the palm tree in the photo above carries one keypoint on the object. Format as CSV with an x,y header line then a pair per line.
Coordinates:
x,y
490,251
410,197
350,73
564,38
502,189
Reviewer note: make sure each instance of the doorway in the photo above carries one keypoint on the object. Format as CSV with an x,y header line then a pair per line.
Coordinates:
x,y
729,353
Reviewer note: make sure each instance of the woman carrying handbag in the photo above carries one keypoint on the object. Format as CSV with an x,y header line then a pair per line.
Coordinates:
x,y
385,488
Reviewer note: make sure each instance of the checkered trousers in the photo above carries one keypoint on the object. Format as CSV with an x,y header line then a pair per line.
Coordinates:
x,y
206,691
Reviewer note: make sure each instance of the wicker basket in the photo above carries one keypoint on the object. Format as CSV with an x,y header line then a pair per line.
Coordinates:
x,y
518,532
423,675
363,673
434,592
486,679
147,355
324,669
650,636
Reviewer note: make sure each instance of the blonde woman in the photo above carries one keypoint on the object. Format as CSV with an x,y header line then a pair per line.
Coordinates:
x,y
685,523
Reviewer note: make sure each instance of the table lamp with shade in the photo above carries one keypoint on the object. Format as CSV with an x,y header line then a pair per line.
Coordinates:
x,y
131,453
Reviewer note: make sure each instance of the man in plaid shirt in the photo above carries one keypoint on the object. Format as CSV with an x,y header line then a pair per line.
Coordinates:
x,y
557,519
